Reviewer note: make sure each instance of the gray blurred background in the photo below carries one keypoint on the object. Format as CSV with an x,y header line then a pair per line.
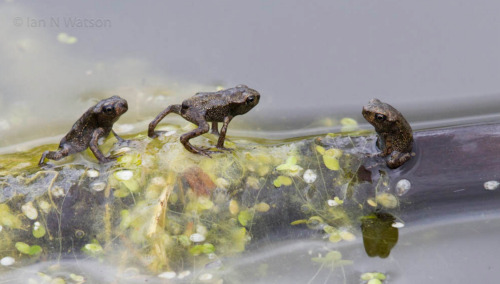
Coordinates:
x,y
312,61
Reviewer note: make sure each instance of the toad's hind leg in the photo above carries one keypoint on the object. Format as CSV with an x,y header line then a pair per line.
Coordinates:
x,y
152,125
203,127
54,155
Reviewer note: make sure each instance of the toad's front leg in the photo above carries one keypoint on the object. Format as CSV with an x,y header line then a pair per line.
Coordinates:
x,y
222,136
94,146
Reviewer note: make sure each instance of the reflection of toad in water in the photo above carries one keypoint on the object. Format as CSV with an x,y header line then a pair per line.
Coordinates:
x,y
379,236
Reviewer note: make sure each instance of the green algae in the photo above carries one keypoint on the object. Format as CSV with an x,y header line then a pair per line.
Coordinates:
x,y
162,208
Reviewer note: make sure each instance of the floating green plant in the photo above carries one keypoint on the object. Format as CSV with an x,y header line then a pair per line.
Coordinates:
x,y
168,211
27,249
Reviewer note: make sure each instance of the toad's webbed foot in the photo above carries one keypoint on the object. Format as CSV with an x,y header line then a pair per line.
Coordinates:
x,y
105,160
155,134
203,152
397,159
207,152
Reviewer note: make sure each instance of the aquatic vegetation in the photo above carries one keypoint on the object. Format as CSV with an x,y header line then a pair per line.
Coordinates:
x,y
169,212
373,277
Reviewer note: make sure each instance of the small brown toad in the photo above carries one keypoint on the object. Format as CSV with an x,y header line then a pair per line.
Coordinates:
x,y
395,137
214,107
95,123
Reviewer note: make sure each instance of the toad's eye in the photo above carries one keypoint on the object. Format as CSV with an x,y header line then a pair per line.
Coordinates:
x,y
108,110
380,117
250,99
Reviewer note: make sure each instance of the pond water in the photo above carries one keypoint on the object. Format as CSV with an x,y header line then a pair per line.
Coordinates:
x,y
313,64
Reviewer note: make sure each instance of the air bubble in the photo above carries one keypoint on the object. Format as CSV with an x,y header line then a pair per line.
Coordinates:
x,y
197,238
310,176
402,187
491,185
398,225
168,275
7,261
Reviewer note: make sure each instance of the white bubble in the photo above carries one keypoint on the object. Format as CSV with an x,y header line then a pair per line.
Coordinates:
x,y
332,202
92,173
124,175
310,176
58,191
98,186
197,238
30,211
168,275
398,225
402,187
205,277
6,261
491,185
184,274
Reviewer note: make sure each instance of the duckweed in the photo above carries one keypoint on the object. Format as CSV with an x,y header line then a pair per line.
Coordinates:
x,y
234,208
30,211
172,212
333,258
348,124
245,217
8,219
282,180
334,202
330,157
27,249
373,277
66,39
387,200
77,278
93,248
262,207
38,230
